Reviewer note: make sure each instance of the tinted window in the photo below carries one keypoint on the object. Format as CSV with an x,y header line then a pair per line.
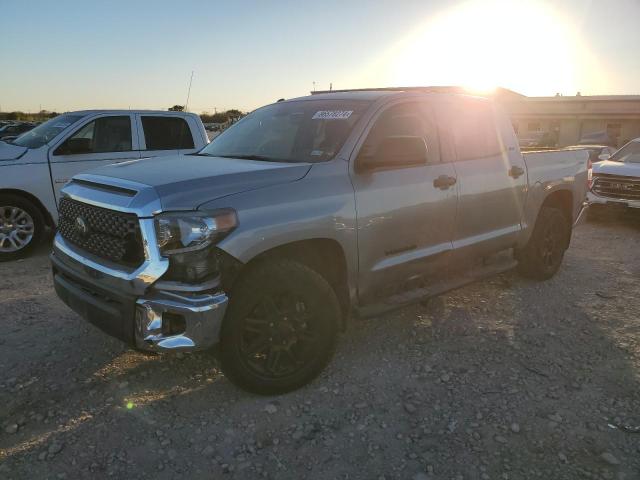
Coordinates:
x,y
398,121
475,130
106,134
166,133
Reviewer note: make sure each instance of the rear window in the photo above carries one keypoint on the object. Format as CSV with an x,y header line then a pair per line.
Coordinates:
x,y
166,133
475,130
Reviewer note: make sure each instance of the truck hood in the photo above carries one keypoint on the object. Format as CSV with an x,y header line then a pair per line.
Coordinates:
x,y
617,168
10,152
184,182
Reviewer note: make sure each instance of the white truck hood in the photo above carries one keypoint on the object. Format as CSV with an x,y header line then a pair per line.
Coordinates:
x,y
627,169
10,152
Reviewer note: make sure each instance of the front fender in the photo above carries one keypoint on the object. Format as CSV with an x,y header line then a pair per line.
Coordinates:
x,y
319,206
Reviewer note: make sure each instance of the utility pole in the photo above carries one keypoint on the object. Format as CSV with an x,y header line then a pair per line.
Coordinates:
x,y
314,86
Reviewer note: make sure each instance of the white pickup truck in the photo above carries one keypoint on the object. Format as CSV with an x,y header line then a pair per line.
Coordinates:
x,y
616,180
36,165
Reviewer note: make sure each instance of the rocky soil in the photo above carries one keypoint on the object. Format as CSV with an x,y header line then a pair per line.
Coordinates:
x,y
502,379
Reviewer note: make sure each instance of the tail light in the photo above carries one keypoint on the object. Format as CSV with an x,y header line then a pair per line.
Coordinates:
x,y
589,174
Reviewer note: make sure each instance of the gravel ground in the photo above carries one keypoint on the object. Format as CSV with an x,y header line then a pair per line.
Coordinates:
x,y
502,379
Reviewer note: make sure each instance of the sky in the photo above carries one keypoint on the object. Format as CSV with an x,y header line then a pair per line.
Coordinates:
x,y
66,55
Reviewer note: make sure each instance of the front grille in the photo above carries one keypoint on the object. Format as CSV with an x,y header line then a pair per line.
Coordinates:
x,y
108,234
616,186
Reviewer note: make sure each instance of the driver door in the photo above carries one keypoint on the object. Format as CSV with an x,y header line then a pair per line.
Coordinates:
x,y
100,141
406,213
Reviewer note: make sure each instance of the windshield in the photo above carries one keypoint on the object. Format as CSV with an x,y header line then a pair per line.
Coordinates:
x,y
630,153
301,131
46,132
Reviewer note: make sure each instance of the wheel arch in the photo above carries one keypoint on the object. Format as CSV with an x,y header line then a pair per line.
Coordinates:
x,y
48,218
323,255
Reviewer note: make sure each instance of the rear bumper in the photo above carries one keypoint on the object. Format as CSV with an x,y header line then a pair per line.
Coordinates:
x,y
157,320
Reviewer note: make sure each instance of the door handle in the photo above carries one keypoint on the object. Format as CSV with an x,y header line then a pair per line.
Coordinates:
x,y
443,182
516,171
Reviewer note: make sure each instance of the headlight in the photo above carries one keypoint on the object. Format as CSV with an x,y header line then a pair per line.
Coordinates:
x,y
189,232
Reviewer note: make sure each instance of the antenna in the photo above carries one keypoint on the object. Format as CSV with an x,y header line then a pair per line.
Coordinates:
x,y
188,92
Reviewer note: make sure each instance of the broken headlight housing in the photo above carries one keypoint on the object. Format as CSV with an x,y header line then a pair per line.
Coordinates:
x,y
189,232
186,238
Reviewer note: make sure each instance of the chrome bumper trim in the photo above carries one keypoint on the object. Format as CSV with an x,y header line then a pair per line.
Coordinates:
x,y
202,314
594,199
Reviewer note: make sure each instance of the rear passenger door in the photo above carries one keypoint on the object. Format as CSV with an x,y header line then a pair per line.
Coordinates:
x,y
162,135
103,140
492,179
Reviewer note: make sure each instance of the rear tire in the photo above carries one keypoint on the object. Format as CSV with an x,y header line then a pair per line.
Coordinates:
x,y
22,227
543,255
280,329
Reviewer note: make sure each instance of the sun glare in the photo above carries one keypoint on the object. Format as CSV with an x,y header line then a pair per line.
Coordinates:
x,y
525,46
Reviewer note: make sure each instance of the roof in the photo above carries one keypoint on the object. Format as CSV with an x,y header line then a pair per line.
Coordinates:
x,y
369,95
107,110
584,98
372,94
497,92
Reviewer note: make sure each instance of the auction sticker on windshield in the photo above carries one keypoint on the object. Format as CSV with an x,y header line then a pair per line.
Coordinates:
x,y
332,115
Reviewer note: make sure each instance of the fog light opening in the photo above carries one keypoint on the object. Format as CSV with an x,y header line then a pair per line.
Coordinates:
x,y
173,324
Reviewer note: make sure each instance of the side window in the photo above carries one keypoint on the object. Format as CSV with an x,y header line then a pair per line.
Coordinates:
x,y
402,120
166,133
475,131
106,134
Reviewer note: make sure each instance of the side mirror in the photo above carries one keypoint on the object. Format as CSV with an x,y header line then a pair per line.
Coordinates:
x,y
74,146
604,156
395,151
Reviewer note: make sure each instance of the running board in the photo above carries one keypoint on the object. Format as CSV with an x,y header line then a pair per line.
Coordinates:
x,y
399,300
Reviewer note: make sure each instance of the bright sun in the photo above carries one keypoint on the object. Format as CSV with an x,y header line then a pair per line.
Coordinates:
x,y
522,45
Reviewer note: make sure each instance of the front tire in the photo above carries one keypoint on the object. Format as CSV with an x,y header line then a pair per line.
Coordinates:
x,y
280,329
543,255
21,227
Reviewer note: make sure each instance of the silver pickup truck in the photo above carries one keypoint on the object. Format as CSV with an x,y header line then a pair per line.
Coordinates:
x,y
304,213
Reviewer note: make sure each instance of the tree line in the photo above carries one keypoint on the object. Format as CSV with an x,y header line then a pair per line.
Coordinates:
x,y
228,116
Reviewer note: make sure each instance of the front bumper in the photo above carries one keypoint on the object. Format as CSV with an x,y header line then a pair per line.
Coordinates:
x,y
150,319
200,320
594,199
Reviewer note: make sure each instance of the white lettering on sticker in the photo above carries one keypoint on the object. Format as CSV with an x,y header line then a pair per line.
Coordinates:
x,y
332,115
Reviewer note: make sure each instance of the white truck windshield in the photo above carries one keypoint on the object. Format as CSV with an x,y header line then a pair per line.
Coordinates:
x,y
46,132
630,153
